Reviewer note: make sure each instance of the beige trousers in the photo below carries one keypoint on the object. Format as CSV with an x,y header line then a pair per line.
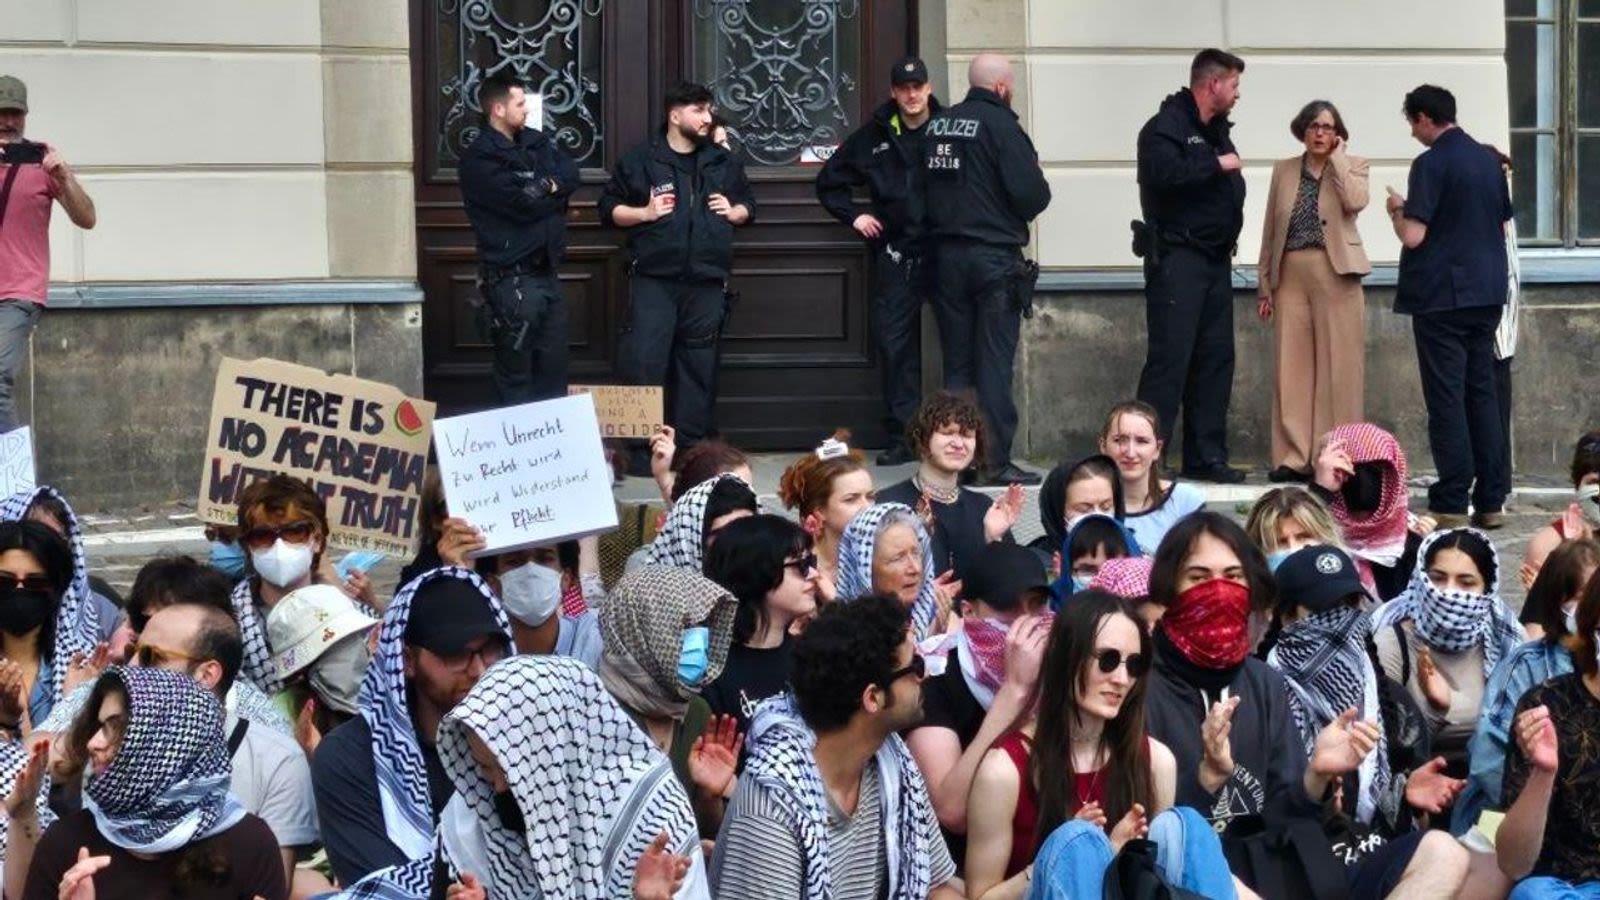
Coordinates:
x,y
1320,343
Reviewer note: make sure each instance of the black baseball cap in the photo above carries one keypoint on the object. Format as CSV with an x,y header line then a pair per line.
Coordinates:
x,y
447,614
910,70
1002,573
1318,577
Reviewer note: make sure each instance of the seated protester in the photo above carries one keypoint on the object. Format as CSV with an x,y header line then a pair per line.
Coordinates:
x,y
885,550
531,585
1072,491
94,601
1097,780
1553,600
667,631
827,488
1225,714
949,436
1132,438
1550,840
831,803
1129,578
284,525
988,683
41,631
678,473
695,519
158,818
1582,515
1091,541
225,554
1444,636
322,641
768,564
1284,519
378,780
271,776
1360,472
557,792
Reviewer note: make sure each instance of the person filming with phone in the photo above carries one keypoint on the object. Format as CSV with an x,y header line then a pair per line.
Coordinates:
x,y
31,176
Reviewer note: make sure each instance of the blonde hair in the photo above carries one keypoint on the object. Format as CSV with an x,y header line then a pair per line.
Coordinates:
x,y
1289,504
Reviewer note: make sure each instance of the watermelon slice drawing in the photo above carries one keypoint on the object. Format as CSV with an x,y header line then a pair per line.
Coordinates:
x,y
407,419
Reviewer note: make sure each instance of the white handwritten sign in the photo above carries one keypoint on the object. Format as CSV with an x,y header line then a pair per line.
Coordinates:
x,y
527,475
16,461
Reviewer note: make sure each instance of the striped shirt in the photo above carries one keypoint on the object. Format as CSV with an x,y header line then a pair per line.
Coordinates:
x,y
758,853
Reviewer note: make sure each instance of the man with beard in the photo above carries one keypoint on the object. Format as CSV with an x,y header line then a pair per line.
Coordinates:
x,y
680,196
830,789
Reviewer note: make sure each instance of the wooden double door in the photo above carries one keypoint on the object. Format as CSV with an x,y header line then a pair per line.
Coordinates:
x,y
793,77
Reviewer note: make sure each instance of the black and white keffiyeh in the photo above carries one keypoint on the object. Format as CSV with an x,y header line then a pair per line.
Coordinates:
x,y
1453,621
244,700
681,541
782,761
1323,658
593,789
77,616
167,786
855,559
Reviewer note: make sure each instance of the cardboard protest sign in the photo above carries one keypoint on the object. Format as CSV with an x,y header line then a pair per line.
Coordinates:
x,y
16,461
362,445
527,475
625,411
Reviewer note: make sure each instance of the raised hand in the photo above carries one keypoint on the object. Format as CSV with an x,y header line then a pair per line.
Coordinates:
x,y
1003,514
1536,736
86,668
77,883
1434,686
715,756
26,786
468,888
659,874
457,539
1429,790
1025,643
1333,465
13,699
945,591
1216,766
1132,826
1343,744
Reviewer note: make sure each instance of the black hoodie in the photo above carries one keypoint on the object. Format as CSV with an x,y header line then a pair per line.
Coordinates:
x,y
1182,187
886,157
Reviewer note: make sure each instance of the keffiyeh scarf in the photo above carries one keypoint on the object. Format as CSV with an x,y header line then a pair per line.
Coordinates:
x,y
1128,577
1454,621
1379,536
77,616
642,624
258,667
1323,658
855,559
981,653
167,787
781,760
593,789
681,541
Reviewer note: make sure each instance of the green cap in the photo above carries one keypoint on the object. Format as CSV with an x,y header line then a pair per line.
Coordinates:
x,y
13,93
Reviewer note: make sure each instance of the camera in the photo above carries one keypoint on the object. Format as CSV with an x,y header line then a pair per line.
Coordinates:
x,y
21,153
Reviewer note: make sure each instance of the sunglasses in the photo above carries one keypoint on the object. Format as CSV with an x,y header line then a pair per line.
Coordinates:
x,y
263,536
917,669
153,657
34,583
804,564
1137,664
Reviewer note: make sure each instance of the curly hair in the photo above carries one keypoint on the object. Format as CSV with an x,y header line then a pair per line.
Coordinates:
x,y
847,649
808,482
940,410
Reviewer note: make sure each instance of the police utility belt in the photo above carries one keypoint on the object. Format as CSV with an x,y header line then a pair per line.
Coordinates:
x,y
499,306
1150,242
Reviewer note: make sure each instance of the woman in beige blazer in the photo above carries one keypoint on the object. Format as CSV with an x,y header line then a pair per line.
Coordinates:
x,y
1310,287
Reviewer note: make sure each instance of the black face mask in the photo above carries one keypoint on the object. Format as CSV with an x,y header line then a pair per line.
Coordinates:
x,y
505,806
1363,491
22,610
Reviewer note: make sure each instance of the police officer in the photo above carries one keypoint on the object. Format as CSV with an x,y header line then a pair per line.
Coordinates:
x,y
680,196
885,155
1191,191
984,186
515,182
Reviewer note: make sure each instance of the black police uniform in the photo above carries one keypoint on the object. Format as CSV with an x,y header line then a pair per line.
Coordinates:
x,y
679,275
515,193
886,156
984,186
1194,211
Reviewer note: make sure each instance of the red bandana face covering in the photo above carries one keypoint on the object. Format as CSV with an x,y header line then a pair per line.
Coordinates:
x,y
1210,624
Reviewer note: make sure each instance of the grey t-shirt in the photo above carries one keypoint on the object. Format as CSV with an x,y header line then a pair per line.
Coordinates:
x,y
758,855
272,778
1452,728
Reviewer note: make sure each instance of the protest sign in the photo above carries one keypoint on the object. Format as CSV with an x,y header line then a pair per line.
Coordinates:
x,y
362,445
625,411
527,475
16,461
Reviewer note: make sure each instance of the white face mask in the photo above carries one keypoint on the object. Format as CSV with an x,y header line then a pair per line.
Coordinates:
x,y
531,593
283,564
1587,502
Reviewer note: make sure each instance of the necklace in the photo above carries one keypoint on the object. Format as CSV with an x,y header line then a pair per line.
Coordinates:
x,y
935,492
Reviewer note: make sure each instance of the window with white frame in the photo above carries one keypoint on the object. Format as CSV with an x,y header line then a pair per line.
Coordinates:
x,y
1553,81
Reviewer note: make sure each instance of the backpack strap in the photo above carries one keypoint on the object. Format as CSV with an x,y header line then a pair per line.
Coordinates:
x,y
237,737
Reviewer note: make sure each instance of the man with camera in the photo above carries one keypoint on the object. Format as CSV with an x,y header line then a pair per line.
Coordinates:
x,y
515,182
32,176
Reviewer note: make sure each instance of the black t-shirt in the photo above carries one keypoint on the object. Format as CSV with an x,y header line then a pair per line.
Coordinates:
x,y
957,532
947,702
254,867
750,676
1571,847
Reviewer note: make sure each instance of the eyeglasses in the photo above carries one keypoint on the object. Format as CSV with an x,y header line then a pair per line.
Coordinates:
x,y
264,536
1321,128
1136,663
803,565
35,582
488,654
918,669
153,657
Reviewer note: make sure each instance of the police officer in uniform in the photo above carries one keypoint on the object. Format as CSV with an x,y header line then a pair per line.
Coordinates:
x,y
984,186
680,196
885,155
1191,191
515,182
